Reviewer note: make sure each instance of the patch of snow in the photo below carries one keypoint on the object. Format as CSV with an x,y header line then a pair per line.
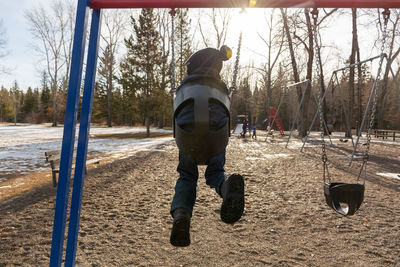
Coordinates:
x,y
269,156
390,175
279,155
6,186
298,144
22,147
11,186
252,158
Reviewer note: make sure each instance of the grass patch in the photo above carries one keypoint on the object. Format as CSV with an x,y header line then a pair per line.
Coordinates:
x,y
140,135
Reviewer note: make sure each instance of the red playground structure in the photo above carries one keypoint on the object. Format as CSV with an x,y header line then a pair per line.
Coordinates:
x,y
274,118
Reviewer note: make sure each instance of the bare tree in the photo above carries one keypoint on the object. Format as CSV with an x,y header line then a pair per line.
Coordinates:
x,y
308,47
3,48
114,22
67,13
392,50
220,19
354,51
274,40
302,30
51,28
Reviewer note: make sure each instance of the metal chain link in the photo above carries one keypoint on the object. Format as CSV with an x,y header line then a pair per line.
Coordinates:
x,y
173,82
236,68
386,15
320,110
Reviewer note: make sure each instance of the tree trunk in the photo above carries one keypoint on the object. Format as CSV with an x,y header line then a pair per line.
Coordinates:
x,y
349,117
303,130
359,89
322,84
392,54
109,92
301,125
15,110
147,118
291,49
55,106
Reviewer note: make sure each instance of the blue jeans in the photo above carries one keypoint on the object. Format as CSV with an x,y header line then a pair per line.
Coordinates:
x,y
185,188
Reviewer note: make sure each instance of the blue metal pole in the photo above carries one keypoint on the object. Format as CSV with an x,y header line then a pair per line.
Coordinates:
x,y
67,149
84,129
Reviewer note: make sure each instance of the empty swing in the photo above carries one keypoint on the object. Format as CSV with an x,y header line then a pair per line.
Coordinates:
x,y
346,198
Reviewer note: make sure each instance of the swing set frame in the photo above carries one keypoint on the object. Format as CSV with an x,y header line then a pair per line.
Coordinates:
x,y
74,92
306,85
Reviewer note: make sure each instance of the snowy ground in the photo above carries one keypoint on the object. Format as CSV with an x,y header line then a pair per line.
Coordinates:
x,y
22,147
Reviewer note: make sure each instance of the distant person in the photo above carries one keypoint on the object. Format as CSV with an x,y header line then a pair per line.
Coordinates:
x,y
244,127
204,66
254,136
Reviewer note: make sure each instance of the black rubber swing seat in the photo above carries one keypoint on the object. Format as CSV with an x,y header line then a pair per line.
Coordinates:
x,y
337,195
202,143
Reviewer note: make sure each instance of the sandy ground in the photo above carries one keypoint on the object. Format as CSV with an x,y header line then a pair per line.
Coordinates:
x,y
125,217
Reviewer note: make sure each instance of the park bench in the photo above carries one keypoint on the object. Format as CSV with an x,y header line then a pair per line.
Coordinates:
x,y
53,158
385,134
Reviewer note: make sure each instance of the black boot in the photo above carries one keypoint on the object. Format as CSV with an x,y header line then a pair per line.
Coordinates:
x,y
232,192
180,235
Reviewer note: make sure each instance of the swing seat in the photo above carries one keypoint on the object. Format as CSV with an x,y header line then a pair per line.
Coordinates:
x,y
202,143
339,194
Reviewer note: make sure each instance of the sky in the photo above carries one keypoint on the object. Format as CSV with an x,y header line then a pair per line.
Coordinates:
x,y
24,62
21,59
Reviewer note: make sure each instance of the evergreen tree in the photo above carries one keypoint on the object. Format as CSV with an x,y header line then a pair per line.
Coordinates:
x,y
105,84
140,70
6,105
45,99
99,110
241,102
16,96
28,106
118,107
183,42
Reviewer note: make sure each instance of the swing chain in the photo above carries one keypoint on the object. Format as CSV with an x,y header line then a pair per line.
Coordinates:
x,y
324,156
173,82
314,14
236,67
386,14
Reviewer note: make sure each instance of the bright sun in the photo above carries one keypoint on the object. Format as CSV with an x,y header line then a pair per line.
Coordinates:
x,y
252,22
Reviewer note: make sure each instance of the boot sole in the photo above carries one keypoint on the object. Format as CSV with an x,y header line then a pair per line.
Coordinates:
x,y
233,204
180,235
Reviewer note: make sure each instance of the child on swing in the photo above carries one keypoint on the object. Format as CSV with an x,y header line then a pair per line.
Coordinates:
x,y
205,64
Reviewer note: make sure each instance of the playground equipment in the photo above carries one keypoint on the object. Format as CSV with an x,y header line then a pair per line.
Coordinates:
x,y
274,112
74,87
331,85
347,198
273,116
201,144
261,122
239,125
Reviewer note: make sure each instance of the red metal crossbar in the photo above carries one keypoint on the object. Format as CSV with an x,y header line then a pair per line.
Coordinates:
x,y
97,4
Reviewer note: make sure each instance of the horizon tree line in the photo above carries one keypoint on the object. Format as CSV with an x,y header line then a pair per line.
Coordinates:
x,y
135,89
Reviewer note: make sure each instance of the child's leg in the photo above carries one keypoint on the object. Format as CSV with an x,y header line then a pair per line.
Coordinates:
x,y
215,172
185,188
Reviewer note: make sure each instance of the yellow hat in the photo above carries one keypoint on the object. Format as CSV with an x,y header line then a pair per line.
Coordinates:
x,y
226,52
